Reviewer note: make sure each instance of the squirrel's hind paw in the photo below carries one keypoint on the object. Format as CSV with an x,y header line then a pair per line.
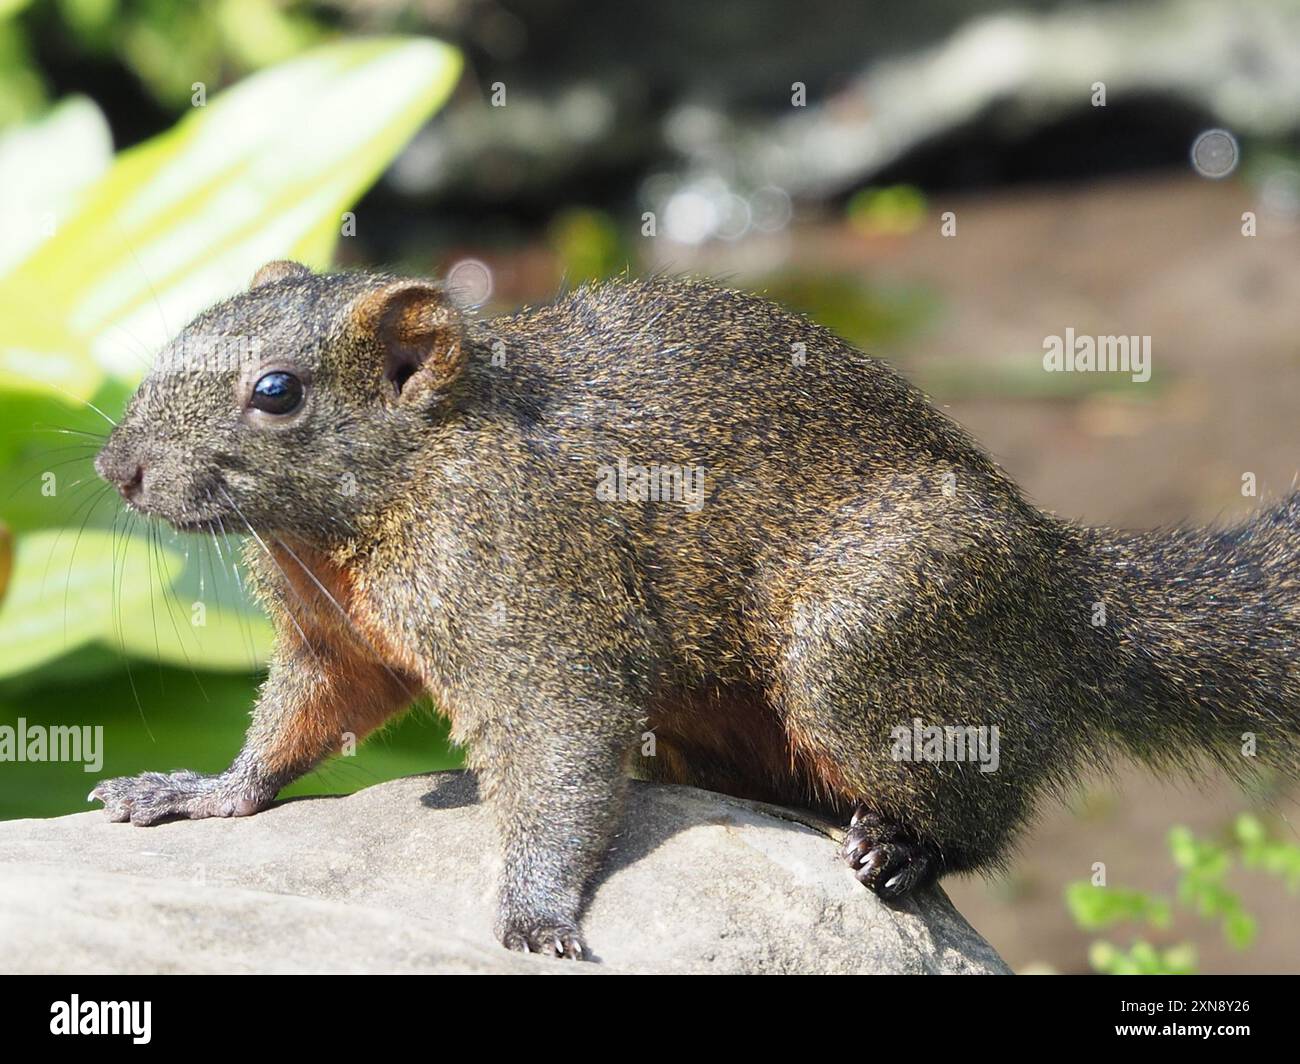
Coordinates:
x,y
562,941
152,797
885,858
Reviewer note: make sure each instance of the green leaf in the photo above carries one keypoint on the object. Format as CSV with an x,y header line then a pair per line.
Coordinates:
x,y
1095,908
1199,857
1249,830
215,638
163,718
71,588
45,434
45,167
1240,928
1180,959
263,171
1142,959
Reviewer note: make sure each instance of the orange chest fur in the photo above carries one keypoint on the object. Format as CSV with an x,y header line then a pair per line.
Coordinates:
x,y
330,603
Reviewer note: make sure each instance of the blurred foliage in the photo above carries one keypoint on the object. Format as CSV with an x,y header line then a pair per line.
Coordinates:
x,y
893,211
587,245
1204,866
159,717
22,89
866,315
44,167
262,171
1259,852
168,46
1096,910
1142,958
113,255
1023,378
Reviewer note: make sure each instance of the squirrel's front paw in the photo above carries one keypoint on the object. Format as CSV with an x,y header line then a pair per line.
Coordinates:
x,y
154,796
550,940
885,858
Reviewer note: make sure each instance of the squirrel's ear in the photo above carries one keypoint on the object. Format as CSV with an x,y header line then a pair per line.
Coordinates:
x,y
279,270
419,333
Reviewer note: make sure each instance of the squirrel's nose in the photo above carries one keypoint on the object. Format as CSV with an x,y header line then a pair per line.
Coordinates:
x,y
125,475
130,487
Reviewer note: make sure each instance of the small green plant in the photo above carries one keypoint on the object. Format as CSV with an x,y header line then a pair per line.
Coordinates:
x,y
1142,958
1204,866
893,211
587,245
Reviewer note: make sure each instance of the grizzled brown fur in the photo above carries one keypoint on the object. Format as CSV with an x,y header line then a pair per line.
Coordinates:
x,y
430,521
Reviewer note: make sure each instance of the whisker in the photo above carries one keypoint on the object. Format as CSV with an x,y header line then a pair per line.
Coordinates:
x,y
95,499
328,596
118,577
158,554
86,402
234,564
288,583
60,430
346,619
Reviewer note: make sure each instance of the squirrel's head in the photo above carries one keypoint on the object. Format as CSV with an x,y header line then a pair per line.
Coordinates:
x,y
290,407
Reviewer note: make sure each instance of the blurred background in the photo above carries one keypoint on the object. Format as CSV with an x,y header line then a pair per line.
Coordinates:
x,y
945,184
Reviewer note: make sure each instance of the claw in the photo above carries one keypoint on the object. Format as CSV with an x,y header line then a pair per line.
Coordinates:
x,y
562,942
886,858
153,797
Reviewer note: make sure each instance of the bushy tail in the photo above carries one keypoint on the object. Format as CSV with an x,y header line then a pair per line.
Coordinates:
x,y
1198,640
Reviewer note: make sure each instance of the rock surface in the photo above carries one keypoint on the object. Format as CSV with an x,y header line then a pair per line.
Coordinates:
x,y
399,878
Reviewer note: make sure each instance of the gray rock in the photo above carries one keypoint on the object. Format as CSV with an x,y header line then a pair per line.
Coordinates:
x,y
399,878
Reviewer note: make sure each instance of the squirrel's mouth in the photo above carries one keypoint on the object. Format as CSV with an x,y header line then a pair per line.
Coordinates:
x,y
205,521
199,524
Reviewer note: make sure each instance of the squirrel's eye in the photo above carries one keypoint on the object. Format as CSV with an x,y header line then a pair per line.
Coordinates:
x,y
277,393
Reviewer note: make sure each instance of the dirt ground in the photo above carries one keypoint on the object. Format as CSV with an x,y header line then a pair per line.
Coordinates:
x,y
1159,257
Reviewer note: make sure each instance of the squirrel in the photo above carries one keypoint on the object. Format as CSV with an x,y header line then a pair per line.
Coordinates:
x,y
665,529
